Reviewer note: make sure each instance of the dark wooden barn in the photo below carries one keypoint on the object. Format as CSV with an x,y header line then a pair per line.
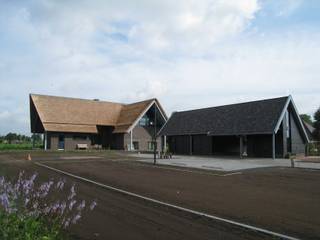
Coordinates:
x,y
265,128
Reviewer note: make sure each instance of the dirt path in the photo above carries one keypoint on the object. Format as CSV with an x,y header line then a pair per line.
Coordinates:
x,y
282,200
122,217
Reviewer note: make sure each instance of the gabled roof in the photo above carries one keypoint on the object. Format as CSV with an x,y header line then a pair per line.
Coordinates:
x,y
81,115
257,117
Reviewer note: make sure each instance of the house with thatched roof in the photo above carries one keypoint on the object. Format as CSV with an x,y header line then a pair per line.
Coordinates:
x,y
71,123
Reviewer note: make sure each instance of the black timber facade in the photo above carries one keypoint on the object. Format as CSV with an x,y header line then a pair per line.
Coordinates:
x,y
266,128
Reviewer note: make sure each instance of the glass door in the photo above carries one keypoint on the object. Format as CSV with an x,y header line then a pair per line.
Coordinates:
x,y
61,142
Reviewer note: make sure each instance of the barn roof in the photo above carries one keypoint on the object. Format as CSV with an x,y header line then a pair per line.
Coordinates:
x,y
81,115
257,117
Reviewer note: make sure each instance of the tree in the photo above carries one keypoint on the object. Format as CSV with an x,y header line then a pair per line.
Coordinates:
x,y
316,124
10,137
306,118
36,138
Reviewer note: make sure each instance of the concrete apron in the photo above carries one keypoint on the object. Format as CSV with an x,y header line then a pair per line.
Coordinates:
x,y
224,163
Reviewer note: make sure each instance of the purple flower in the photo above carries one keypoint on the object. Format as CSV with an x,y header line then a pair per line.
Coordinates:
x,y
4,200
60,184
93,205
26,201
71,204
76,218
66,223
81,205
2,180
62,207
72,192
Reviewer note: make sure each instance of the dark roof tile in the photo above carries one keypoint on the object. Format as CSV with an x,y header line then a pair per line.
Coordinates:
x,y
235,119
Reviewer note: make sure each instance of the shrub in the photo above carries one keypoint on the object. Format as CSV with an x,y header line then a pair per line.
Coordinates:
x,y
30,211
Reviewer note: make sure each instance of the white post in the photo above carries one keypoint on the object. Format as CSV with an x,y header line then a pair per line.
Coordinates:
x,y
241,147
45,140
165,143
131,142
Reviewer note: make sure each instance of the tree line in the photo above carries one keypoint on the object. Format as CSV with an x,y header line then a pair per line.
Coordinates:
x,y
20,138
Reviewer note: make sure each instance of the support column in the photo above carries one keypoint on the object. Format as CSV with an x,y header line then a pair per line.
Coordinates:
x,y
190,145
45,140
241,146
131,142
164,143
273,146
155,136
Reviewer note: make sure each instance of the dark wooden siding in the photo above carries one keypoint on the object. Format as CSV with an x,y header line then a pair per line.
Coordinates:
x,y
226,145
201,145
297,142
179,144
259,145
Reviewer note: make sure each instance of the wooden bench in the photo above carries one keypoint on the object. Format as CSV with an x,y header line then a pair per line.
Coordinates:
x,y
82,146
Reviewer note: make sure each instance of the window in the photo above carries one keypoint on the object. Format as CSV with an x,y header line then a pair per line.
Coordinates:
x,y
144,121
80,137
150,146
135,145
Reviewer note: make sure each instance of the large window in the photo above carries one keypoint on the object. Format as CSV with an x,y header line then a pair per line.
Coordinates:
x,y
150,146
144,121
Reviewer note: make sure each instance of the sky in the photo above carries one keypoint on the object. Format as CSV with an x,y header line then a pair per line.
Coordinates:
x,y
187,53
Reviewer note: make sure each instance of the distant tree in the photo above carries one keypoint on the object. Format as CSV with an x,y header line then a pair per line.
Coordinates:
x,y
306,118
36,138
10,137
316,125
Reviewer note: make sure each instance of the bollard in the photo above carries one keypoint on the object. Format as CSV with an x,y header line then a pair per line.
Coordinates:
x,y
292,162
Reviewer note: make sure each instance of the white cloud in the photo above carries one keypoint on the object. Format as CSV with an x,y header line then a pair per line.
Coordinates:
x,y
187,53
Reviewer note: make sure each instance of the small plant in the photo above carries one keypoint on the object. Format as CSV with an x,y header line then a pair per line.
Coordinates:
x,y
30,211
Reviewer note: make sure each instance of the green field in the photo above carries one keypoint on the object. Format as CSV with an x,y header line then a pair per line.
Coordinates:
x,y
21,146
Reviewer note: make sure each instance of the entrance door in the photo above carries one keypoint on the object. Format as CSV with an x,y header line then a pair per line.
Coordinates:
x,y
61,142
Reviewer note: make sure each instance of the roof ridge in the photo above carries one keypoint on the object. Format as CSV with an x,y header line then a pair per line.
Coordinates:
x,y
147,100
231,104
76,98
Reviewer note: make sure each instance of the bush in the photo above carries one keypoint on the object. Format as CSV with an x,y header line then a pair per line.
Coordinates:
x,y
15,226
313,149
32,212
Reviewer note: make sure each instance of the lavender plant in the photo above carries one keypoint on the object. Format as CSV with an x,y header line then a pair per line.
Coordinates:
x,y
24,201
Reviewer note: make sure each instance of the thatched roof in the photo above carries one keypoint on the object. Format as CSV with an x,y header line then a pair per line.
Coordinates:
x,y
62,114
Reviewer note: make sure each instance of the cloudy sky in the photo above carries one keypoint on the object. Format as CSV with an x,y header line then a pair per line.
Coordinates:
x,y
187,53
